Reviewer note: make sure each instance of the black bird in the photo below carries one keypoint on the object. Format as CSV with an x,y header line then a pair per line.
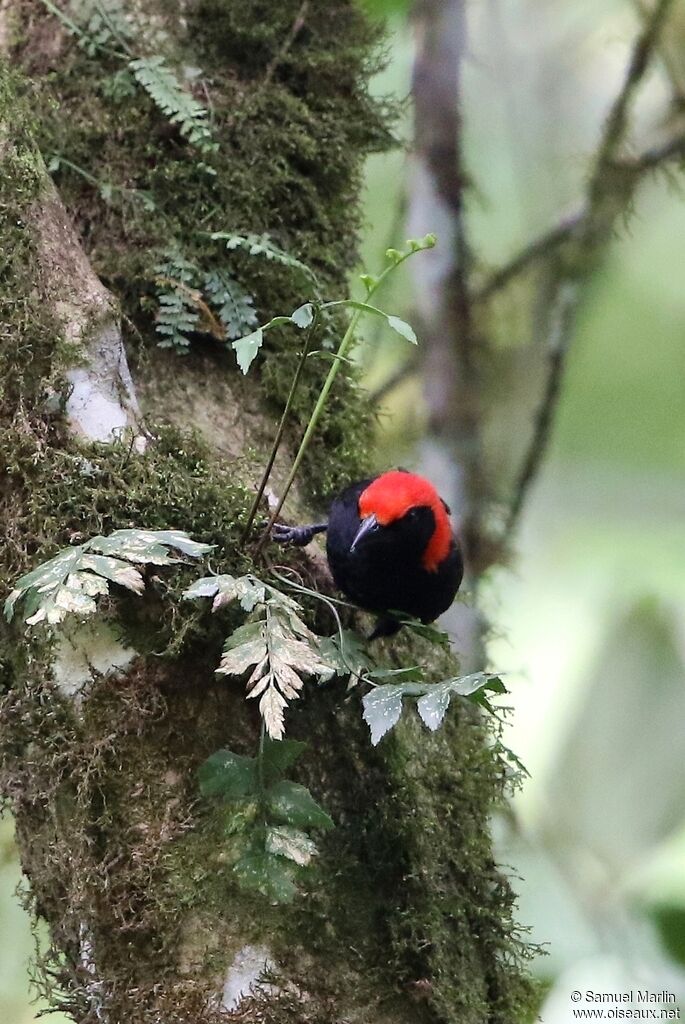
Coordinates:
x,y
390,546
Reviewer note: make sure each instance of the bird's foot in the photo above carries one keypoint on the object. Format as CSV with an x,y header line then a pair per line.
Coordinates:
x,y
300,536
386,625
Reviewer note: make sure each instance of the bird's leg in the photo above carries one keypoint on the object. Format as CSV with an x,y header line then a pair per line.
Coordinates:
x,y
386,625
300,536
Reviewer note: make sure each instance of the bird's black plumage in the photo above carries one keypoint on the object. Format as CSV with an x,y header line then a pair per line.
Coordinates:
x,y
382,567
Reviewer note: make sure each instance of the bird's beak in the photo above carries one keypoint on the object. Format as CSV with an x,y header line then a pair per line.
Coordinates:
x,y
368,526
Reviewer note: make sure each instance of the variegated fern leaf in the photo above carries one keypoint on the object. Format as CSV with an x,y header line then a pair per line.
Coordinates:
x,y
72,580
275,646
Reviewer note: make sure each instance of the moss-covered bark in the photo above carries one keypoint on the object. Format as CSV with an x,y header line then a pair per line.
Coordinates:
x,y
405,916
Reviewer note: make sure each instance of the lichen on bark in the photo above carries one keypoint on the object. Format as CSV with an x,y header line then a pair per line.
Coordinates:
x,y
404,917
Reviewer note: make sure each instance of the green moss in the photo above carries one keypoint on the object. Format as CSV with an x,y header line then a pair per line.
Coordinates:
x,y
405,899
456,927
27,331
293,120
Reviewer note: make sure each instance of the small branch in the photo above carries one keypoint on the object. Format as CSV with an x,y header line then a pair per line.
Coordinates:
x,y
295,29
617,122
531,253
606,195
539,248
672,149
675,73
564,306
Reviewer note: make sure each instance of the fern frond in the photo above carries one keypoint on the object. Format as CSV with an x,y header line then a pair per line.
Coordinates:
x,y
102,25
177,313
167,92
234,306
177,316
261,245
175,266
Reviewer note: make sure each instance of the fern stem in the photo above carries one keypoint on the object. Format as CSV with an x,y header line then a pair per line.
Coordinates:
x,y
112,26
281,428
77,31
260,754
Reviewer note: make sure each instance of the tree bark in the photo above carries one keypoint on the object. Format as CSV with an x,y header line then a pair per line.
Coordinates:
x,y
405,917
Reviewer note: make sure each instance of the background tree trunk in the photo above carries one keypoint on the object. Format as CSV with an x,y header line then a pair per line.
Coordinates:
x,y
491,399
405,916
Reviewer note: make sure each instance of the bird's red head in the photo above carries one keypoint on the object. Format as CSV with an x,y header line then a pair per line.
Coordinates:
x,y
391,495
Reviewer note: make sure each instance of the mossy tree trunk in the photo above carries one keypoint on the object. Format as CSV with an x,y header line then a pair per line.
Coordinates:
x,y
404,915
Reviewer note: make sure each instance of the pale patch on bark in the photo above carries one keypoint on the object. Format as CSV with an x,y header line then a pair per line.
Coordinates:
x,y
210,397
101,403
242,980
94,987
85,651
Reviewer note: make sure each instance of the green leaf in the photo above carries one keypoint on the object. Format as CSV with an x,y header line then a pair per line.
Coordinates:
x,y
303,315
178,310
241,818
278,756
270,875
383,707
228,775
402,328
277,645
392,321
419,244
148,546
281,650
433,705
427,631
294,805
346,654
206,587
283,841
277,321
246,348
98,26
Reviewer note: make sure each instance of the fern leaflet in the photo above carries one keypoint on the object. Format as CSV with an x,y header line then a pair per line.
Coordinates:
x,y
234,306
261,245
160,82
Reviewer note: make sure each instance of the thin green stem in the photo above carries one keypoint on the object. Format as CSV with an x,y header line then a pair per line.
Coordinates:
x,y
111,24
281,428
78,31
325,390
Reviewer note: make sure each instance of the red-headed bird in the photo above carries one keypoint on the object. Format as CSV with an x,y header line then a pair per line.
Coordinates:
x,y
390,546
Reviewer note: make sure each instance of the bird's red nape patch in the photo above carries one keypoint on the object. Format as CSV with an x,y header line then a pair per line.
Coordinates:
x,y
391,495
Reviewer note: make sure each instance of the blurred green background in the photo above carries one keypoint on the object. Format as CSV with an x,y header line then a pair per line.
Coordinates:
x,y
589,619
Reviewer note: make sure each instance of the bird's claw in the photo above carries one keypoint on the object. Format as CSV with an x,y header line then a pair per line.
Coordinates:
x,y
299,536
